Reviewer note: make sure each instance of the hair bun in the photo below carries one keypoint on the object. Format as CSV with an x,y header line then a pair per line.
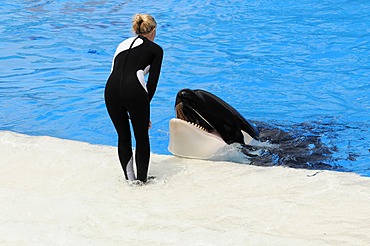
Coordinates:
x,y
143,23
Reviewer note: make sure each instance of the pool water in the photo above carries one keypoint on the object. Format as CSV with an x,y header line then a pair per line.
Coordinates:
x,y
286,64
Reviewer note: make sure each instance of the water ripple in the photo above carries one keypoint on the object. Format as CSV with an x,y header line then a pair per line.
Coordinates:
x,y
279,63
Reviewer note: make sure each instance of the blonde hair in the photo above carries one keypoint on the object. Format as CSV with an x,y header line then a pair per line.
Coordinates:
x,y
143,24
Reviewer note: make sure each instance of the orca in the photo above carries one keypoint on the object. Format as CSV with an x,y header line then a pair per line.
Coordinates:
x,y
204,124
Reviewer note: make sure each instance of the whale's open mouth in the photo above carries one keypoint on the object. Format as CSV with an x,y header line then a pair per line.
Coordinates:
x,y
179,112
199,121
212,115
189,137
205,124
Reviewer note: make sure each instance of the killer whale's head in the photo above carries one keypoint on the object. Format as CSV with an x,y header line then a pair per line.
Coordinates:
x,y
205,123
191,107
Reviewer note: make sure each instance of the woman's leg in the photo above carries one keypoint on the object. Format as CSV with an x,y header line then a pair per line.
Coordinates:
x,y
120,119
140,122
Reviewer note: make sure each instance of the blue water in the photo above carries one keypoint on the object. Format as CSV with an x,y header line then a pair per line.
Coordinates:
x,y
279,62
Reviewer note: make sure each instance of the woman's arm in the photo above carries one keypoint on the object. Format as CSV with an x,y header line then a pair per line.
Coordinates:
x,y
155,70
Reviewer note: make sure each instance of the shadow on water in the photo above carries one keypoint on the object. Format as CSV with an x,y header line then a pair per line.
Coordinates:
x,y
304,145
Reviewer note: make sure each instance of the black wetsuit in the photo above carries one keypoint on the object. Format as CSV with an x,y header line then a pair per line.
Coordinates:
x,y
127,96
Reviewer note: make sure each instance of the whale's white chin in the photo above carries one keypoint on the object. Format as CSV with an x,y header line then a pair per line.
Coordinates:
x,y
190,141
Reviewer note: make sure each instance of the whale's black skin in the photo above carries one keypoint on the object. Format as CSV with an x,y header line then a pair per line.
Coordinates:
x,y
298,146
213,114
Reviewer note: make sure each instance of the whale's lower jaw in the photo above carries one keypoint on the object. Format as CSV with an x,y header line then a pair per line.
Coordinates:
x,y
189,141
